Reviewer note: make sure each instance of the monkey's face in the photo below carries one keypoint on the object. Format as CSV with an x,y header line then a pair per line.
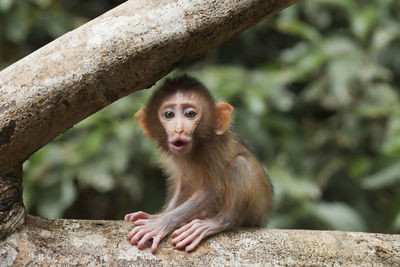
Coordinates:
x,y
180,115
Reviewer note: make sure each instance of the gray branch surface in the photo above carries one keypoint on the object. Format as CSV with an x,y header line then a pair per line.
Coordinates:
x,y
103,243
126,49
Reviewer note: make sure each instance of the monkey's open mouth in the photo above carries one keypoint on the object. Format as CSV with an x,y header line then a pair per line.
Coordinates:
x,y
179,146
179,143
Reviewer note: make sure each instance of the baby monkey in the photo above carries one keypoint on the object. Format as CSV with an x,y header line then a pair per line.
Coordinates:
x,y
215,182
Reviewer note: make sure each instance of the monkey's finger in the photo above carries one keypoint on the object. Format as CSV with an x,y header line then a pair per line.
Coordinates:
x,y
139,215
189,239
141,222
183,235
156,241
133,232
137,236
136,215
144,239
197,241
182,229
127,217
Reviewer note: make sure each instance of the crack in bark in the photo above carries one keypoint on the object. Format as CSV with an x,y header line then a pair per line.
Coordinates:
x,y
7,132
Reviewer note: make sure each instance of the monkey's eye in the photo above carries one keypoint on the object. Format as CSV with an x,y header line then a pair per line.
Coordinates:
x,y
190,114
168,115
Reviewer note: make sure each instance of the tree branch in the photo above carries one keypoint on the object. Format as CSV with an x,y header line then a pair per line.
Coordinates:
x,y
71,242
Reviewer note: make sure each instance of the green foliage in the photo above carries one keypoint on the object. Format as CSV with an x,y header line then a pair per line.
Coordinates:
x,y
316,95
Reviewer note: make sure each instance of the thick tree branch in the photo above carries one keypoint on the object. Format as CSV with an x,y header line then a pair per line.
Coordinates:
x,y
103,243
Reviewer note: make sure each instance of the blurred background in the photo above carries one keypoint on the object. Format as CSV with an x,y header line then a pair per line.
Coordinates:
x,y
316,92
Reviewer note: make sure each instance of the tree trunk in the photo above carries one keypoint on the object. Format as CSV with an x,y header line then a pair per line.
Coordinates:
x,y
103,243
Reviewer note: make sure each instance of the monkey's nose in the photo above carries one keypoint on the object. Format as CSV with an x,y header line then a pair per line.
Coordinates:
x,y
179,127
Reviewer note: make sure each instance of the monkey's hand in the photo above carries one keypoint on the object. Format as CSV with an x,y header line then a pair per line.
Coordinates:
x,y
191,234
148,227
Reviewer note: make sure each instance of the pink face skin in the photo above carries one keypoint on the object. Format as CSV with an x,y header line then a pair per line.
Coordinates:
x,y
179,116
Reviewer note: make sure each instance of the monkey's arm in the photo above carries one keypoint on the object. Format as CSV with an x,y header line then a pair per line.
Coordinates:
x,y
156,227
176,198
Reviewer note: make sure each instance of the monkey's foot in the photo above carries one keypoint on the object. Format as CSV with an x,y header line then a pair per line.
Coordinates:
x,y
190,235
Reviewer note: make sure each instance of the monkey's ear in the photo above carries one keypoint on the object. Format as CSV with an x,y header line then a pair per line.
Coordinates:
x,y
224,112
139,116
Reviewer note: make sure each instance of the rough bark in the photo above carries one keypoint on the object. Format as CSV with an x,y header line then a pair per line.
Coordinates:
x,y
12,211
127,49
103,243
